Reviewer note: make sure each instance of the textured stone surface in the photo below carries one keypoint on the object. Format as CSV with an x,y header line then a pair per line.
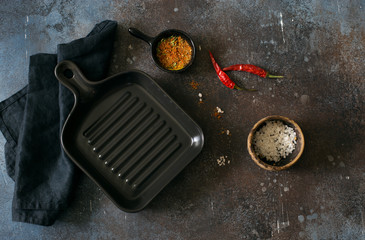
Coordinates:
x,y
317,45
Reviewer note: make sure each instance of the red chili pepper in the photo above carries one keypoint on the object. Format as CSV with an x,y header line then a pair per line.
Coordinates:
x,y
224,77
251,69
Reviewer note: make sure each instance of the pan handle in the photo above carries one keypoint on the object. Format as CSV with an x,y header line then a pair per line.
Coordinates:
x,y
138,34
71,77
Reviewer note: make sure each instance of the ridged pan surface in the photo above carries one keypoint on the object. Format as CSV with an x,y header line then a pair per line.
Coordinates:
x,y
127,135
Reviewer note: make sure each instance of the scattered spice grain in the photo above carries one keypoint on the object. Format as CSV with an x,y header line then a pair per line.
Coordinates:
x,y
194,84
200,97
222,160
217,112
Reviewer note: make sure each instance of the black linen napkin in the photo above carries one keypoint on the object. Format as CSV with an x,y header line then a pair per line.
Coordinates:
x,y
32,119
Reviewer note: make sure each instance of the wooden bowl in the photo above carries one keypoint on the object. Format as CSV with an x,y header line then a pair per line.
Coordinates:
x,y
284,163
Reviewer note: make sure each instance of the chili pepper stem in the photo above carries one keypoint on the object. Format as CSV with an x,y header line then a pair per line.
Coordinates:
x,y
273,76
246,89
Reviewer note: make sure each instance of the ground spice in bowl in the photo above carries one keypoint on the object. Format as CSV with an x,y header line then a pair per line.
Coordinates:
x,y
174,52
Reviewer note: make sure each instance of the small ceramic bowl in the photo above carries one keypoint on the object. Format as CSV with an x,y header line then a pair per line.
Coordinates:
x,y
284,163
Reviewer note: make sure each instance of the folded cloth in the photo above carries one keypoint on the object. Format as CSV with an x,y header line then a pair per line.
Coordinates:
x,y
31,121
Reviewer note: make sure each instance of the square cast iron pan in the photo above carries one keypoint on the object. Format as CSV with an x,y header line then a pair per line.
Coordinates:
x,y
127,135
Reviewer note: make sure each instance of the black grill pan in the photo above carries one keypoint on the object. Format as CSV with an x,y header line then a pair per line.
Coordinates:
x,y
127,134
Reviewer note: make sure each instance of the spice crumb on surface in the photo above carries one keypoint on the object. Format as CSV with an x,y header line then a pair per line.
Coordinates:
x,y
194,84
225,132
274,141
200,95
222,160
217,112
